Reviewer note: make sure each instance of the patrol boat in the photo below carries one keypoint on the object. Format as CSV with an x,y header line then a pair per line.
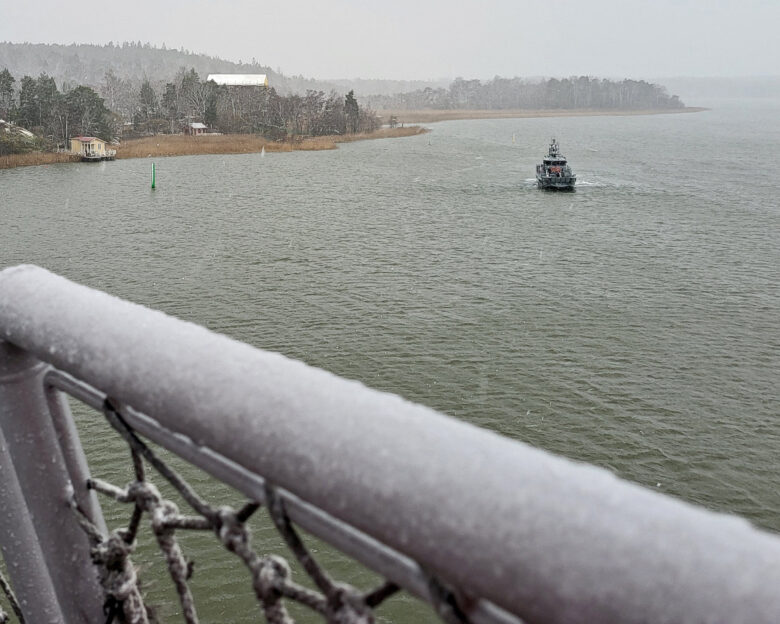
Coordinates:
x,y
554,173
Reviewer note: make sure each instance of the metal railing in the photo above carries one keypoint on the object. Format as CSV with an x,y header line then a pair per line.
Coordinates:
x,y
485,528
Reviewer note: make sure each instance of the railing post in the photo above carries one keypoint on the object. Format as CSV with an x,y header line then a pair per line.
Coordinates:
x,y
45,550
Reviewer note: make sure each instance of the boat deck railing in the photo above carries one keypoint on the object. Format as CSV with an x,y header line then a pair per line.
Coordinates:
x,y
486,529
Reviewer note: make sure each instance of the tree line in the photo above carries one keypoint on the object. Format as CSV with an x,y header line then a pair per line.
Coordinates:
x,y
243,109
119,110
120,107
518,93
39,106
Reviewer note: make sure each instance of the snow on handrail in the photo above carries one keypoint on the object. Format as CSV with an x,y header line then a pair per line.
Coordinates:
x,y
542,537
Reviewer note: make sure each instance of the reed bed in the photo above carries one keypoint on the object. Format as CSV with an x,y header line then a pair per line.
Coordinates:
x,y
382,133
36,158
182,145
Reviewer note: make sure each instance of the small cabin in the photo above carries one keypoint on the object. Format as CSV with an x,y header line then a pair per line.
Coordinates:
x,y
195,128
90,148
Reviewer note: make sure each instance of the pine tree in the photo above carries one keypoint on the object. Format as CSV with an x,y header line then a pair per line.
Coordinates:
x,y
6,94
352,112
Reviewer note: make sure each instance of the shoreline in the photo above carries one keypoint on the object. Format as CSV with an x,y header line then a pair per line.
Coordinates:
x,y
162,145
435,115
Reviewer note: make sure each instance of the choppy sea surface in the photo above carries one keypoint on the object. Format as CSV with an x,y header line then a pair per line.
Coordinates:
x,y
632,324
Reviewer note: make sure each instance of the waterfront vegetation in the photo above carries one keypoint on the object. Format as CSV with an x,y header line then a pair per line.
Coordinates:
x,y
27,159
180,145
183,145
54,116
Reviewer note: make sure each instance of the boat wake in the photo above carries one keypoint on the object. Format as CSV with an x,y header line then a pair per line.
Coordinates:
x,y
579,184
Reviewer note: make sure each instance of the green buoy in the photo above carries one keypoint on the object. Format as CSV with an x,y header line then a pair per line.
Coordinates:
x,y
153,176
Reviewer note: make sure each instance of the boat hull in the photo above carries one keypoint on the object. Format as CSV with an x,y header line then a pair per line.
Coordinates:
x,y
556,184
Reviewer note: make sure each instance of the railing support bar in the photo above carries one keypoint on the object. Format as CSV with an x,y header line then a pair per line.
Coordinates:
x,y
21,551
42,484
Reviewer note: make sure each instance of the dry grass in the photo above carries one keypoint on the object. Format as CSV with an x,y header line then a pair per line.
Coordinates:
x,y
36,158
181,145
309,144
382,133
430,115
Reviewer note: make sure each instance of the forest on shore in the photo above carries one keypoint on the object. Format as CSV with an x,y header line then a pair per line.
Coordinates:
x,y
576,93
118,111
133,90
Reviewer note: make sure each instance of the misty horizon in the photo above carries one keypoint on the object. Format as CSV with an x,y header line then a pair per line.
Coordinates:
x,y
435,41
433,79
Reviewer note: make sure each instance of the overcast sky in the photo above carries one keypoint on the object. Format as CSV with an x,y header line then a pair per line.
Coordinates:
x,y
431,39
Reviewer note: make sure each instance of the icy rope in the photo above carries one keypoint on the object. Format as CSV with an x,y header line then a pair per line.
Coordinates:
x,y
337,603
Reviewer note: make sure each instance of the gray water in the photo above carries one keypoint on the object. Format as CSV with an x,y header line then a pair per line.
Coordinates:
x,y
632,324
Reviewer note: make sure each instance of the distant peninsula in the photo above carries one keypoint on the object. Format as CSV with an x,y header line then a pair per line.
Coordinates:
x,y
425,116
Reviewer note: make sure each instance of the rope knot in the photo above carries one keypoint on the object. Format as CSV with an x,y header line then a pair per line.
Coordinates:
x,y
347,606
270,573
274,569
231,531
144,494
113,557
112,553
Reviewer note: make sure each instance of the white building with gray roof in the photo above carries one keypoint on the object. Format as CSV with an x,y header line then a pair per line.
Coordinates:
x,y
240,80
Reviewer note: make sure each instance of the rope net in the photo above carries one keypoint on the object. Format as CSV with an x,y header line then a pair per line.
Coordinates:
x,y
271,577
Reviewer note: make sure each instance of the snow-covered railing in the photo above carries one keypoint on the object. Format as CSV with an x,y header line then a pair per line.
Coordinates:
x,y
486,528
